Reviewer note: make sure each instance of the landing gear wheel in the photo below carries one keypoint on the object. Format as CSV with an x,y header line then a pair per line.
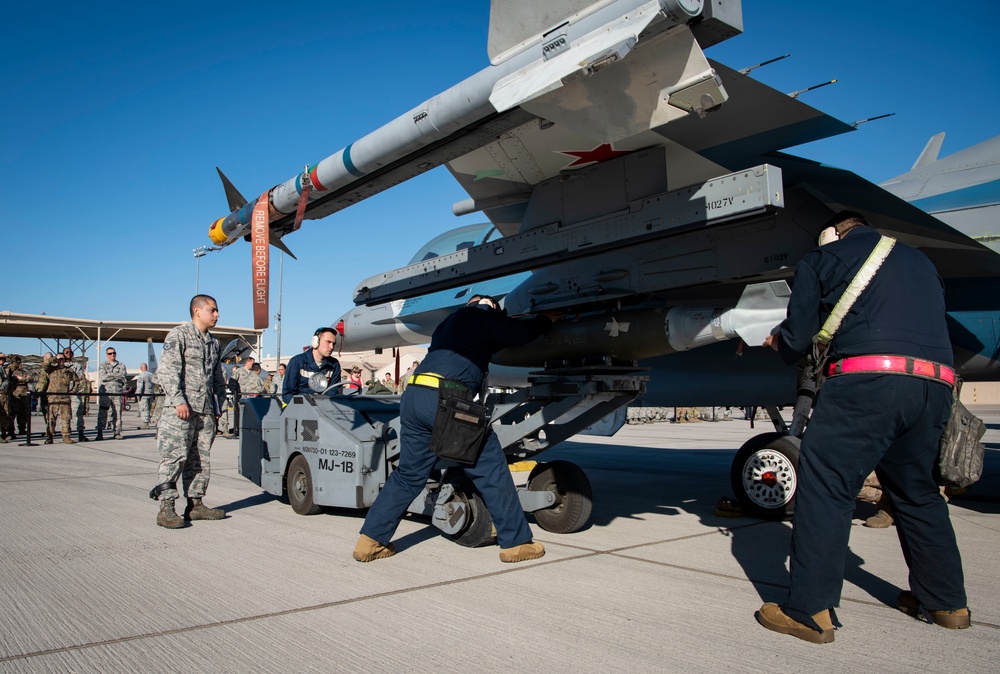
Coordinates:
x,y
574,499
299,485
764,475
479,530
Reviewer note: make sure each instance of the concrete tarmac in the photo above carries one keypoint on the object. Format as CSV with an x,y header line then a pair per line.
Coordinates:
x,y
657,583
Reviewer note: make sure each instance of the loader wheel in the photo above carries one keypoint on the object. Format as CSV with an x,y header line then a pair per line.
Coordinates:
x,y
480,530
764,475
574,499
299,485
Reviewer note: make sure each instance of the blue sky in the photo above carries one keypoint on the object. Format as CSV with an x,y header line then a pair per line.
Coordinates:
x,y
115,119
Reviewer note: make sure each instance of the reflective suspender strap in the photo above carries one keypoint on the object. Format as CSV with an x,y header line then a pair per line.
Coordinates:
x,y
857,285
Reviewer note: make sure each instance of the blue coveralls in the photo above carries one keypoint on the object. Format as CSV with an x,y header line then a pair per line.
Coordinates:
x,y
891,423
461,348
302,366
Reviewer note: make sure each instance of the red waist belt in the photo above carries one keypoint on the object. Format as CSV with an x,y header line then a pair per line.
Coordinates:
x,y
900,364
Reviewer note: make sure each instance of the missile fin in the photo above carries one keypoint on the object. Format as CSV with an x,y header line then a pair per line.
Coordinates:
x,y
761,307
277,243
233,196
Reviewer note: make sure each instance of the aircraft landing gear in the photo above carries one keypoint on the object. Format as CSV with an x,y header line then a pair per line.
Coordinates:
x,y
574,500
764,475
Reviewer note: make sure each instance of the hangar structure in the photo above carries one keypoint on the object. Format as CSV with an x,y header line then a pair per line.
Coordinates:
x,y
80,333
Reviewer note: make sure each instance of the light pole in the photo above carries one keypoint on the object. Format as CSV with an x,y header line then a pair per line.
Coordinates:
x,y
199,253
277,316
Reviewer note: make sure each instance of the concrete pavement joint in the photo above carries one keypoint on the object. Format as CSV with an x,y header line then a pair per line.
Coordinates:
x,y
278,614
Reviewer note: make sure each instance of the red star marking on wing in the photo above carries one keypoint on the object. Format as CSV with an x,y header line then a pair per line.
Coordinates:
x,y
598,154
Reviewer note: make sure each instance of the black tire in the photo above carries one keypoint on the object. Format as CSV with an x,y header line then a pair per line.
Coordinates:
x,y
764,475
574,499
479,531
299,485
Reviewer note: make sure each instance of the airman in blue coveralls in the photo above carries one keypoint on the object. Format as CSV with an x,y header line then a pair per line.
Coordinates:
x,y
873,416
460,351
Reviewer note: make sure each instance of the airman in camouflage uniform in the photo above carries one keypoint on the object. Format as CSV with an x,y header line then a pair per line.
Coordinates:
x,y
61,383
76,402
20,396
144,392
241,383
279,380
41,386
194,383
86,388
6,423
256,386
112,376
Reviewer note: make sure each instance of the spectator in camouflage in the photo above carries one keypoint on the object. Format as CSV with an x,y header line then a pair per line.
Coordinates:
x,y
6,422
62,383
76,402
144,392
112,376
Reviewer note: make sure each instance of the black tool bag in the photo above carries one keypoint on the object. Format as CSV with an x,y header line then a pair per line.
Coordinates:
x,y
960,461
460,426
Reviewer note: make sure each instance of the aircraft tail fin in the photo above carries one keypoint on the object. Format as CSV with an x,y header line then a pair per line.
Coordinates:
x,y
150,356
931,150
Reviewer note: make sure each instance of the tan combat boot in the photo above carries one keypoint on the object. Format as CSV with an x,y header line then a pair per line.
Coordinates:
x,y
368,549
167,517
773,618
68,440
956,619
196,510
522,553
880,520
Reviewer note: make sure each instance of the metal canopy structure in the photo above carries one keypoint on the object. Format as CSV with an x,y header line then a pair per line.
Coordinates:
x,y
84,330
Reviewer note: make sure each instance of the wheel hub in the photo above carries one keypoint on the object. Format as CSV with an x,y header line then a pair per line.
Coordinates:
x,y
769,479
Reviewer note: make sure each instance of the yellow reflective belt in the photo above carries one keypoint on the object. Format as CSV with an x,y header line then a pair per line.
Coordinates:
x,y
429,380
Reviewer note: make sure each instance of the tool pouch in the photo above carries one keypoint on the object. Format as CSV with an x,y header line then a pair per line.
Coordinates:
x,y
960,461
459,427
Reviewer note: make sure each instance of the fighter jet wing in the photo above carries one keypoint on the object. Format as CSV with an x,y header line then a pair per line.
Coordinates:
x,y
756,121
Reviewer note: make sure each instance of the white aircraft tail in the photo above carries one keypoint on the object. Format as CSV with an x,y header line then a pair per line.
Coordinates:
x,y
150,356
931,151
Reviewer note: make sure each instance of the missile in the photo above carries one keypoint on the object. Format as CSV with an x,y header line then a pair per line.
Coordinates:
x,y
530,74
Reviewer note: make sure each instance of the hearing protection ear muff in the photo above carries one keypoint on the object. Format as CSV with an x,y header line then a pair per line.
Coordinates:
x,y
315,339
828,235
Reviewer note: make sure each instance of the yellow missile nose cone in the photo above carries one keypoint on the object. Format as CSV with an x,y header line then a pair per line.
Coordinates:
x,y
215,232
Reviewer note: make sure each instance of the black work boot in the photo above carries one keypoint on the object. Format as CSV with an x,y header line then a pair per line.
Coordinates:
x,y
81,437
100,436
196,510
167,517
